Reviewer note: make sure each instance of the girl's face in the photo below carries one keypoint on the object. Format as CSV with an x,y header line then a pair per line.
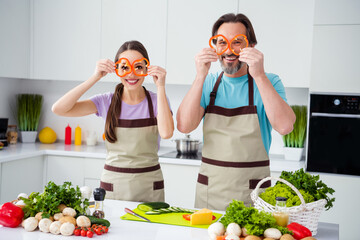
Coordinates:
x,y
132,81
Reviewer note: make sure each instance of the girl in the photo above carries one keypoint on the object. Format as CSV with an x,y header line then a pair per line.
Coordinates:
x,y
134,117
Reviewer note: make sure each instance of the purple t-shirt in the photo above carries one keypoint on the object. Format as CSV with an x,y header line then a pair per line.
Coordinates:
x,y
137,111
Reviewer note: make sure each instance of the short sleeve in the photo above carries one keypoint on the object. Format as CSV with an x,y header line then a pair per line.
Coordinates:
x,y
102,103
278,85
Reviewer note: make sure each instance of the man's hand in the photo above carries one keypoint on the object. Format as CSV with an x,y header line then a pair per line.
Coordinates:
x,y
255,59
203,60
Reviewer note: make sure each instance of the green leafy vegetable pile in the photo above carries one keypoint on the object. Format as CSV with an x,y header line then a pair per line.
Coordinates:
x,y
311,188
54,195
255,221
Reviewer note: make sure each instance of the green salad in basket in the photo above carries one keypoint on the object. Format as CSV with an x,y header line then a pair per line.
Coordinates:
x,y
310,186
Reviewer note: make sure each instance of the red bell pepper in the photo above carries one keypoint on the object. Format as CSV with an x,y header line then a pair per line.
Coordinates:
x,y
10,215
299,231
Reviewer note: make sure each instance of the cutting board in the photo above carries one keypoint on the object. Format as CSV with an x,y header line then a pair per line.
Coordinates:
x,y
167,218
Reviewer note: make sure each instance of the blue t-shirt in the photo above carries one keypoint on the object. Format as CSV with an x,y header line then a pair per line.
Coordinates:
x,y
234,92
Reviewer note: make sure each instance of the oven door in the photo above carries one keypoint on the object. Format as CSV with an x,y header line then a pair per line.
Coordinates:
x,y
334,143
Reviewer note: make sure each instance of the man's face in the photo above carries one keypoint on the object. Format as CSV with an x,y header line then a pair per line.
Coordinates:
x,y
230,63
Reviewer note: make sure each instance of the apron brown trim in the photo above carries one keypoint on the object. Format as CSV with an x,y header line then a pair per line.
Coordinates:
x,y
264,163
253,183
132,170
106,186
135,123
203,179
214,91
232,112
158,185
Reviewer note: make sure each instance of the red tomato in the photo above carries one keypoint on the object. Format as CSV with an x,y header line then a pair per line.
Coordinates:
x,y
83,233
105,229
77,232
99,231
90,234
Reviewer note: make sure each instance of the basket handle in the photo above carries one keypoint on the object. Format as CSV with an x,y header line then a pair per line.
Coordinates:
x,y
256,190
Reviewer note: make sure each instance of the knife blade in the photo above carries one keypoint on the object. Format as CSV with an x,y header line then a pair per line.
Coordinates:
x,y
135,214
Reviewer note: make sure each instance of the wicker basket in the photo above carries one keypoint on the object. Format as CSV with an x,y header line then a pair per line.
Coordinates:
x,y
306,214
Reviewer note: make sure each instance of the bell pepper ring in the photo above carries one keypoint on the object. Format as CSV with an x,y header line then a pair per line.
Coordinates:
x,y
228,46
10,215
130,67
299,231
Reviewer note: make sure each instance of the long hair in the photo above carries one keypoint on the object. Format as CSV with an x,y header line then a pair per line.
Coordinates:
x,y
241,18
114,110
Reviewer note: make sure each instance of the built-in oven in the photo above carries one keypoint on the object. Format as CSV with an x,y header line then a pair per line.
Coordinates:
x,y
333,143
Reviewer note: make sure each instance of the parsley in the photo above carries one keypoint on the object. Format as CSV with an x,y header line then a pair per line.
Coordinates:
x,y
54,195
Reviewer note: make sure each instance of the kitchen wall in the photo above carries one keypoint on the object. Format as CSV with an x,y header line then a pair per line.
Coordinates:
x,y
52,90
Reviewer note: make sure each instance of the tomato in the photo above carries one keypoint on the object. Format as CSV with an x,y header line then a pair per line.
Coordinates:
x,y
106,229
83,232
77,232
90,234
99,231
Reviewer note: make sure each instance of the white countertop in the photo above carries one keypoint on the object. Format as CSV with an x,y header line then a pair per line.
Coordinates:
x,y
133,230
26,150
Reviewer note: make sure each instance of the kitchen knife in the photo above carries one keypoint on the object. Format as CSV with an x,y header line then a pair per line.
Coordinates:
x,y
135,214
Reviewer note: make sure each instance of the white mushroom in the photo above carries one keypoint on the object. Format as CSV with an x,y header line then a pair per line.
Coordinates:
x,y
233,229
216,229
67,229
272,233
57,216
69,212
30,224
55,227
244,232
44,225
232,237
20,203
83,221
24,195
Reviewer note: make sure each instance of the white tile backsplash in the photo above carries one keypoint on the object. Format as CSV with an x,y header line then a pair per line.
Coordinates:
x,y
53,90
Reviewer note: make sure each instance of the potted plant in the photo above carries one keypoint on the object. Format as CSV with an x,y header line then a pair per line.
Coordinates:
x,y
28,115
294,141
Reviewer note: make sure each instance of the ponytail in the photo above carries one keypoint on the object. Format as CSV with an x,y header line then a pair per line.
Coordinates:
x,y
113,114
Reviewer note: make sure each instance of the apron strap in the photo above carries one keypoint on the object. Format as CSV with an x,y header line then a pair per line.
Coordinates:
x,y
151,109
216,86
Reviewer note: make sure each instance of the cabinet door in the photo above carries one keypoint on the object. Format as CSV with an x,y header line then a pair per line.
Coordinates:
x,y
66,39
188,32
62,169
15,38
335,59
337,12
180,184
144,21
284,31
21,176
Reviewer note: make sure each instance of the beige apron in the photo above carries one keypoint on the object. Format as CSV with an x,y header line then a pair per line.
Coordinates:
x,y
132,170
234,158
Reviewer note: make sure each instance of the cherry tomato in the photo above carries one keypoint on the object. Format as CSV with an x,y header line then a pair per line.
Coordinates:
x,y
90,234
99,231
83,232
77,232
106,229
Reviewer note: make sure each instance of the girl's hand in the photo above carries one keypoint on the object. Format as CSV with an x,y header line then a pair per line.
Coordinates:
x,y
103,67
158,74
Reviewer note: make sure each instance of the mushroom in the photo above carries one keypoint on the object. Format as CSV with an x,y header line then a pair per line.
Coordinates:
x,y
61,207
30,224
68,219
44,225
272,233
83,221
57,216
233,229
24,195
232,237
20,203
55,227
67,229
244,232
69,212
216,229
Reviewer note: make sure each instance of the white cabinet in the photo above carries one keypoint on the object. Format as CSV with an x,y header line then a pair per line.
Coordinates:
x,y
15,38
144,21
180,184
337,12
66,39
284,31
21,176
188,32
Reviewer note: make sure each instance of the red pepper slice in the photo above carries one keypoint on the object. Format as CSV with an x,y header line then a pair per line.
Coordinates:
x,y
299,231
187,217
11,215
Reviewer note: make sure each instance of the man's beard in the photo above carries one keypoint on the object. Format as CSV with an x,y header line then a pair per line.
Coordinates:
x,y
230,69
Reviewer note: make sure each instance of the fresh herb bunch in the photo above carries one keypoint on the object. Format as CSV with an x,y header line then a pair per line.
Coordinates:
x,y
296,138
255,221
54,195
28,111
310,184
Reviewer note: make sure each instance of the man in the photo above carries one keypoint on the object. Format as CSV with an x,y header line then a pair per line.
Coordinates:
x,y
240,106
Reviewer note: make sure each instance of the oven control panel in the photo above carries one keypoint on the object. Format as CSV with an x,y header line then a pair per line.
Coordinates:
x,y
342,104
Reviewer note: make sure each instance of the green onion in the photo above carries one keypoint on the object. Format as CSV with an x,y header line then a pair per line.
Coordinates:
x,y
28,111
296,138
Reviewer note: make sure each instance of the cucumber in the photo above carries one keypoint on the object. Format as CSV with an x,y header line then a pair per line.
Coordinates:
x,y
169,210
149,206
95,220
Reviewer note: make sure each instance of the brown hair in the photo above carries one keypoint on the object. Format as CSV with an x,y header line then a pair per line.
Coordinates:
x,y
114,110
241,18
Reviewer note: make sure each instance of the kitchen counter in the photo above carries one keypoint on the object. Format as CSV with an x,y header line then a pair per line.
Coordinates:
x,y
24,150
123,229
